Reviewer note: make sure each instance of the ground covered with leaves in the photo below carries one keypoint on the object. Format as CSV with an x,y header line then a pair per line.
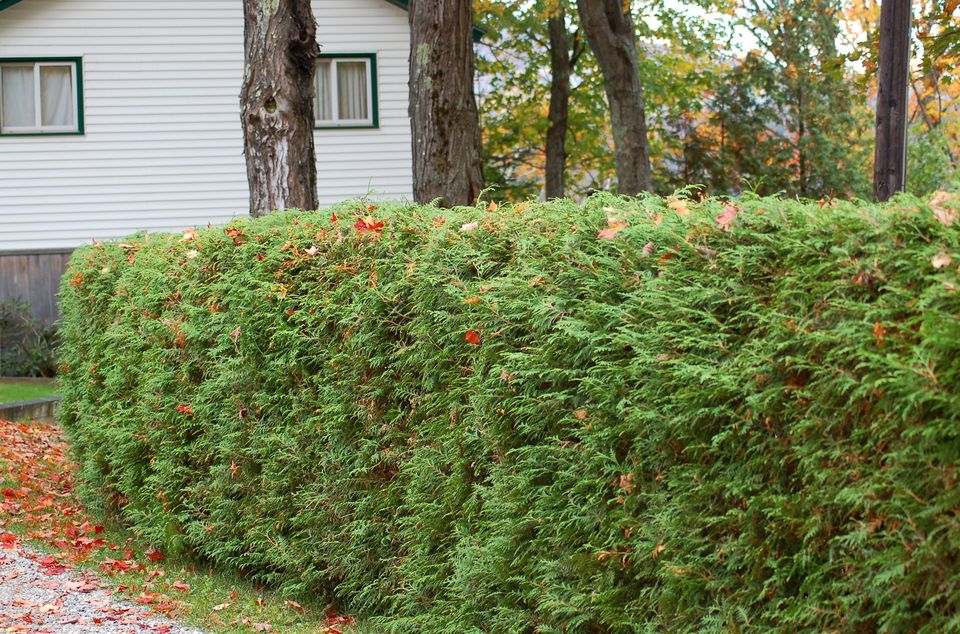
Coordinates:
x,y
629,415
61,570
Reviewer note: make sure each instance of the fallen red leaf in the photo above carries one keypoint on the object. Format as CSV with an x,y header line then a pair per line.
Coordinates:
x,y
472,337
364,225
613,228
293,604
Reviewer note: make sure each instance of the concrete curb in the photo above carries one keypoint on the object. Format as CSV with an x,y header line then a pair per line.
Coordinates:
x,y
40,409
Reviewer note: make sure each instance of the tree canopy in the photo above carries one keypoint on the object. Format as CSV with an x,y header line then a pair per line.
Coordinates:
x,y
740,95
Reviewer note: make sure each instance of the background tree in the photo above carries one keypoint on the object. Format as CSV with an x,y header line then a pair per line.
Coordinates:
x,y
516,107
443,110
280,47
772,96
809,142
608,27
565,52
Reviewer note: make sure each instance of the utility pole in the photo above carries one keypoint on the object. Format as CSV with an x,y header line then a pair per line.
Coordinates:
x,y
890,154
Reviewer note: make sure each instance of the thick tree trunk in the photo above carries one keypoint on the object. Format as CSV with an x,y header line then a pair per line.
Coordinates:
x,y
560,67
609,30
890,152
280,48
443,111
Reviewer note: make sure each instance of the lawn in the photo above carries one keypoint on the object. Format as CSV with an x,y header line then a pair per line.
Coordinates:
x,y
12,390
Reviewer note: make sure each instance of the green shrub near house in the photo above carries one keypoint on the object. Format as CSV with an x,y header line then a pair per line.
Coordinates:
x,y
625,416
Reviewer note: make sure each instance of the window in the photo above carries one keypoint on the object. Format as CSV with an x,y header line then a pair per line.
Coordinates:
x,y
40,96
345,91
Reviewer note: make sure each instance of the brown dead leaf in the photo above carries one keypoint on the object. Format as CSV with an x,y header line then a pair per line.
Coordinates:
x,y
293,604
879,332
943,214
941,260
726,218
679,205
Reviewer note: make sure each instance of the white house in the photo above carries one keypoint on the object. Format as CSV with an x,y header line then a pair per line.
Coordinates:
x,y
123,115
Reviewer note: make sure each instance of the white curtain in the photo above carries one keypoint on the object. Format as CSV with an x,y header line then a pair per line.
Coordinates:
x,y
18,101
352,90
56,96
322,109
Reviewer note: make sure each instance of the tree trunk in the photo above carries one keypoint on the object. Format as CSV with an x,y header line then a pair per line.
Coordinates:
x,y
443,111
890,152
609,30
560,67
565,51
280,47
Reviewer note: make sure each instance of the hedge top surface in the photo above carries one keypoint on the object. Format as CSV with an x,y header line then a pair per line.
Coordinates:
x,y
628,415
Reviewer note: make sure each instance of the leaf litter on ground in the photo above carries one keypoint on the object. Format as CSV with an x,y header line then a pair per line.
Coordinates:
x,y
42,521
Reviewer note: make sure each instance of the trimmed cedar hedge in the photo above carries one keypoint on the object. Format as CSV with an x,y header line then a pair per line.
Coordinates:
x,y
634,415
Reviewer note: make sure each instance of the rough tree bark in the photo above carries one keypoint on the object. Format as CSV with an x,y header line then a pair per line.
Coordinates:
x,y
564,55
280,47
890,152
609,30
443,111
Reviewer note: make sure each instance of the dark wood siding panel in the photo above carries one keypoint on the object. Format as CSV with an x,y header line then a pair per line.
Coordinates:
x,y
34,278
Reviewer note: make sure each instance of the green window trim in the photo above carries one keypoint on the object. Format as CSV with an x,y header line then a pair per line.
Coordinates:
x,y
78,65
374,92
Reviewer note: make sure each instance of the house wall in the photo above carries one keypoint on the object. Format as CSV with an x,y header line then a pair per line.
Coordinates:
x,y
163,148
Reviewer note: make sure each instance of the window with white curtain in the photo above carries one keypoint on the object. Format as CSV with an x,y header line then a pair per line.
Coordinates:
x,y
344,91
40,96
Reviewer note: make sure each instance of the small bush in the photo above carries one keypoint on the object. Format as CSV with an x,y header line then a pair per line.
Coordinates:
x,y
632,415
27,347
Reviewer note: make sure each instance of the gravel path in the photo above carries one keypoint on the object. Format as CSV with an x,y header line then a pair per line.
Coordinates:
x,y
39,595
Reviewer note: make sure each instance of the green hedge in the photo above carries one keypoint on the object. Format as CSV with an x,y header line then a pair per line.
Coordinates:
x,y
504,420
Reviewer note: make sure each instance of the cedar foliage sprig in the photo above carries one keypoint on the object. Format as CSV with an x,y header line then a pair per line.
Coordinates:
x,y
501,420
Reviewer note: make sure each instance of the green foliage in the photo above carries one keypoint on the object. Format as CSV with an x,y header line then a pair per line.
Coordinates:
x,y
680,429
27,347
929,163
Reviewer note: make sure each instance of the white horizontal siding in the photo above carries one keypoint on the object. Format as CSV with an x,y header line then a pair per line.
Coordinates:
x,y
163,148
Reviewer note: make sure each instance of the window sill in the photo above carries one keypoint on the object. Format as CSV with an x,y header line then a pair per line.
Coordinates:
x,y
74,133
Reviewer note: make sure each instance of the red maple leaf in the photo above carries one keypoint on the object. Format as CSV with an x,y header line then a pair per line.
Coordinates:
x,y
472,337
613,228
368,224
236,234
153,554
185,409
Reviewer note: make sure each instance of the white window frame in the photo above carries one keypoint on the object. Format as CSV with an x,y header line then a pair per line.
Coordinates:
x,y
369,60
39,128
